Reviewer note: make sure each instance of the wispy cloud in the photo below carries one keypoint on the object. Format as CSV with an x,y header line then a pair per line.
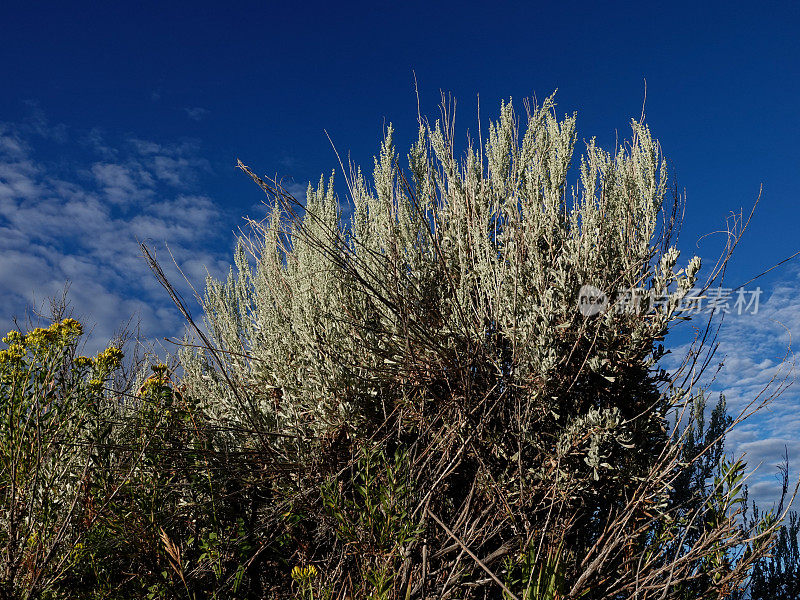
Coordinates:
x,y
196,113
81,221
756,354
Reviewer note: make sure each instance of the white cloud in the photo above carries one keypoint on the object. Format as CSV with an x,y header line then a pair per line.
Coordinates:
x,y
82,223
10,144
756,354
17,180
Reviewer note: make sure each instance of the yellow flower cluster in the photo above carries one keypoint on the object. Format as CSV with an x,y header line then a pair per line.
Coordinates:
x,y
13,337
304,573
13,354
40,339
57,334
71,327
108,359
159,369
84,361
150,384
41,343
156,381
16,350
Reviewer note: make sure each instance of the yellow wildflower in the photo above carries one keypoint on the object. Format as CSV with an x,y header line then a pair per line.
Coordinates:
x,y
108,359
14,353
304,573
71,327
13,337
84,361
41,339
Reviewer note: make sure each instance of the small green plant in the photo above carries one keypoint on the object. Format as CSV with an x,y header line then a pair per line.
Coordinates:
x,y
304,578
373,513
538,579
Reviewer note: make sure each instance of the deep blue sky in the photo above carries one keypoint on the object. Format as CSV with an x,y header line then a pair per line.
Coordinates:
x,y
123,121
722,82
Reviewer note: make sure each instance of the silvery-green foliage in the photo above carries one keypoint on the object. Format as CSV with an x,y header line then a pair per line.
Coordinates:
x,y
434,266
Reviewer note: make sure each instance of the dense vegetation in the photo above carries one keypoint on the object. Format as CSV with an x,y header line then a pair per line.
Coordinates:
x,y
401,400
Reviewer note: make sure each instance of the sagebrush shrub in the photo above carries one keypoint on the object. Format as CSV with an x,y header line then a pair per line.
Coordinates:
x,y
434,316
